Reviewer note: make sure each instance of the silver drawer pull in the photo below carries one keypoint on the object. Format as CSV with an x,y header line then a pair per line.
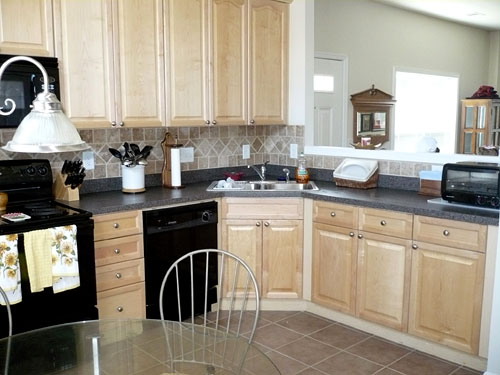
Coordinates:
x,y
383,222
351,234
266,224
118,275
446,233
360,236
414,246
257,224
119,309
116,225
117,251
332,214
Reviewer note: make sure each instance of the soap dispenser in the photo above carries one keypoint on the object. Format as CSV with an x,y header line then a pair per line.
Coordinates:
x,y
301,173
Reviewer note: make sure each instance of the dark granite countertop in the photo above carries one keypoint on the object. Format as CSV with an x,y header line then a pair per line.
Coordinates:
x,y
384,198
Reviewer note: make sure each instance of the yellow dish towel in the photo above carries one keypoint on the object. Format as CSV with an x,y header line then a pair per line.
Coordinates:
x,y
38,249
10,273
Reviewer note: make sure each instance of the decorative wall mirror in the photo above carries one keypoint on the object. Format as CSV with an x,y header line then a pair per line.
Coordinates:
x,y
372,115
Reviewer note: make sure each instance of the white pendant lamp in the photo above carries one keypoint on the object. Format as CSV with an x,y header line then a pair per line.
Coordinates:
x,y
46,128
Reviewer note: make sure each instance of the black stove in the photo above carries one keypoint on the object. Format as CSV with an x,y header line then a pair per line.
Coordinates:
x,y
28,184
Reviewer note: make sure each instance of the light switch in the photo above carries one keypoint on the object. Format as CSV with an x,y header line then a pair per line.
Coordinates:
x,y
293,150
187,154
246,151
88,160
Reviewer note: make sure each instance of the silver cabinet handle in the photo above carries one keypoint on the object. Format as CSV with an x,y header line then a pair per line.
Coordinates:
x,y
121,123
113,123
266,224
207,122
383,222
351,234
332,214
119,309
414,246
118,275
446,233
116,225
117,251
360,236
257,224
214,122
252,121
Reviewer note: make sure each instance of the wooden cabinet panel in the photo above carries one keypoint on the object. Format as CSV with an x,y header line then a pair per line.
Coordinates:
x,y
383,280
119,274
125,302
335,214
396,224
26,27
334,267
282,259
118,250
139,62
188,62
229,62
446,296
117,225
244,239
462,235
262,208
268,67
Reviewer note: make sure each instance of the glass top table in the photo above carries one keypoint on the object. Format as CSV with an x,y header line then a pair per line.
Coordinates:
x,y
131,346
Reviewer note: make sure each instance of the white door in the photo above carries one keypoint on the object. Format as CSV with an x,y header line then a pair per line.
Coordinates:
x,y
328,102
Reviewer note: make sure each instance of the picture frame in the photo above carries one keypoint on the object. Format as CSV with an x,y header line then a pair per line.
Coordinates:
x,y
366,122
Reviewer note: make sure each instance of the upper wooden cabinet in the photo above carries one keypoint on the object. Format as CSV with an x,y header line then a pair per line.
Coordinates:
x,y
34,35
480,125
211,44
268,63
111,62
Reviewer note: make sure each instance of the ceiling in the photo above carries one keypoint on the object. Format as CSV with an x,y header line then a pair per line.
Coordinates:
x,y
484,14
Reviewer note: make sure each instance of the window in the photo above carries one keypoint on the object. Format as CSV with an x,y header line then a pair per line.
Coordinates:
x,y
426,111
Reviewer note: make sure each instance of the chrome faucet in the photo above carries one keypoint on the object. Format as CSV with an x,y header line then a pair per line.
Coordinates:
x,y
262,172
287,174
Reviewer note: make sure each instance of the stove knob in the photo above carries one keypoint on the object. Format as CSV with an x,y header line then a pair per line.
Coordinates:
x,y
495,202
30,171
42,171
206,216
480,200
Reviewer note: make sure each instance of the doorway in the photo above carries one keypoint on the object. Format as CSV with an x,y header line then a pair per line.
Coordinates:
x,y
329,101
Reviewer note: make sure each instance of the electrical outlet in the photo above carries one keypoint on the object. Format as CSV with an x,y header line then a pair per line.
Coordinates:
x,y
293,151
88,160
246,151
187,154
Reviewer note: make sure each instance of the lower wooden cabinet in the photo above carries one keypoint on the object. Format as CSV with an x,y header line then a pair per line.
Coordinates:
x,y
446,295
334,267
383,280
124,302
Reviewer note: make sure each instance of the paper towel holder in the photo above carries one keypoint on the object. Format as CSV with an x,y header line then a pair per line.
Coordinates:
x,y
169,142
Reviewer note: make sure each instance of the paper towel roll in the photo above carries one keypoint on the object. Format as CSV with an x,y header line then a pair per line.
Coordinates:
x,y
175,166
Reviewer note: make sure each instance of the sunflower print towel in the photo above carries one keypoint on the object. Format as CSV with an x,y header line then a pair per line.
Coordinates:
x,y
65,274
10,273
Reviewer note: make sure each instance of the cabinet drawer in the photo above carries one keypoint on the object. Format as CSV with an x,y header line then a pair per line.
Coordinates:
x,y
118,250
467,236
335,214
119,274
262,208
389,223
117,225
125,302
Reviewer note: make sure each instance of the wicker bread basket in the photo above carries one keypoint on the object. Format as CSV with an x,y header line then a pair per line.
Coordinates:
x,y
368,184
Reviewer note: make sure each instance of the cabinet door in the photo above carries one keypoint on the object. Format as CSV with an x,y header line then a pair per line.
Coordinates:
x,y
188,62
446,296
244,239
383,280
268,63
26,27
282,259
229,62
84,47
124,302
334,267
139,61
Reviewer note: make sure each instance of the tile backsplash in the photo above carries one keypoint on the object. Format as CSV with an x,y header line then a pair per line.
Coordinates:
x,y
217,146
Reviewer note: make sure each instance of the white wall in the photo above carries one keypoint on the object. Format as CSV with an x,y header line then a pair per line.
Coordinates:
x,y
494,65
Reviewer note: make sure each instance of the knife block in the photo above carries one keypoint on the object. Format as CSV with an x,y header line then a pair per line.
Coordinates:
x,y
63,191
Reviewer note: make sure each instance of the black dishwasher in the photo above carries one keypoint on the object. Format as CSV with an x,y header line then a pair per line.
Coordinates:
x,y
170,233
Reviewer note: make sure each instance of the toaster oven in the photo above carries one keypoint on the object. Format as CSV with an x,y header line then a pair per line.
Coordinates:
x,y
471,183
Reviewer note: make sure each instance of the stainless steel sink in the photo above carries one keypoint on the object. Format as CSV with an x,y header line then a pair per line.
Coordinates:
x,y
263,186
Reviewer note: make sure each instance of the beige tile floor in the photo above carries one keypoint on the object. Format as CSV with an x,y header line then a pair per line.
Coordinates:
x,y
306,344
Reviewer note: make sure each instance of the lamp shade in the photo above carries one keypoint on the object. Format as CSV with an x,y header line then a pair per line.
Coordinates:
x,y
46,128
